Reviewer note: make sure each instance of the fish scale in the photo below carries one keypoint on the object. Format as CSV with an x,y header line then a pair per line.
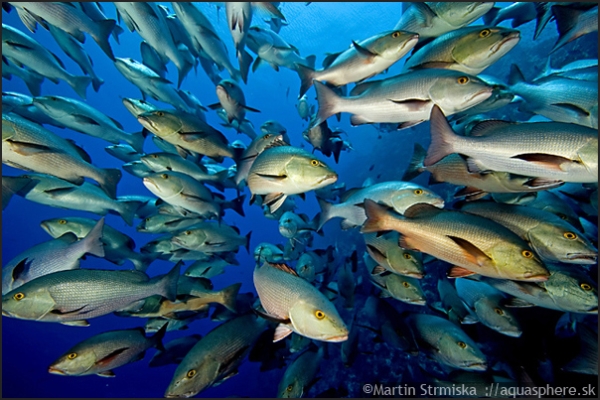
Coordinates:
x,y
268,282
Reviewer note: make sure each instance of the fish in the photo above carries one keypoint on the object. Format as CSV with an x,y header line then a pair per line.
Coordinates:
x,y
209,268
102,353
396,194
70,19
406,99
216,356
346,279
69,297
470,49
165,223
285,170
212,238
60,254
32,79
137,106
275,128
567,289
86,119
433,19
519,12
137,169
239,18
22,105
187,133
118,247
45,189
452,305
586,361
267,252
300,374
559,99
363,60
304,109
445,342
174,351
324,139
474,244
399,287
384,250
123,152
487,303
232,100
257,146
151,24
572,23
568,151
292,225
552,238
586,70
150,83
454,169
297,305
275,24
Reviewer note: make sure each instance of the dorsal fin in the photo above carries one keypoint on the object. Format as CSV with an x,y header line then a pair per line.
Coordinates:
x,y
276,143
483,127
284,268
421,209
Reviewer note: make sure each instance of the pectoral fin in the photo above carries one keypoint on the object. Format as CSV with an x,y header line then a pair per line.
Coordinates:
x,y
544,160
81,322
459,272
281,332
472,253
106,360
413,105
363,51
85,120
29,149
106,374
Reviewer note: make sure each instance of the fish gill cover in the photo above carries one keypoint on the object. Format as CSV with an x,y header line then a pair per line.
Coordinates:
x,y
156,158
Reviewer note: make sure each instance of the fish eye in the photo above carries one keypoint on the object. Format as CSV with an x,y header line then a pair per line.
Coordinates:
x,y
52,98
406,284
407,256
484,33
527,254
563,216
462,80
396,34
498,311
319,314
585,286
462,345
289,388
160,113
570,235
418,191
164,176
191,373
19,296
154,155
72,356
188,232
314,163
268,135
62,221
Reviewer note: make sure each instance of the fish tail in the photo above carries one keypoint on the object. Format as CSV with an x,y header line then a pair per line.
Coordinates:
x,y
415,167
377,217
566,21
136,140
117,30
229,296
96,83
325,214
515,76
328,103
237,205
158,337
188,63
543,15
93,240
105,29
142,262
167,284
245,60
111,178
34,84
127,211
248,236
80,84
490,17
306,75
442,138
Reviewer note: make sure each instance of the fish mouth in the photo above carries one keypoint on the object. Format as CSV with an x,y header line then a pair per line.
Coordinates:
x,y
336,339
592,310
174,396
332,177
6,313
417,302
536,278
56,371
476,366
512,36
486,90
589,258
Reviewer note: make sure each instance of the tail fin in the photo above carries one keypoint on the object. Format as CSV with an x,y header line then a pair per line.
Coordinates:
x,y
159,336
248,236
80,84
142,261
306,78
490,17
442,137
566,20
111,178
328,101
127,211
96,83
188,63
117,30
34,83
105,29
376,217
245,61
311,60
136,140
543,15
325,214
92,242
237,205
167,284
229,296
415,167
515,76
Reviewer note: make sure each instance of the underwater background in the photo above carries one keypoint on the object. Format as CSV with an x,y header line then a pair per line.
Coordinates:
x,y
28,347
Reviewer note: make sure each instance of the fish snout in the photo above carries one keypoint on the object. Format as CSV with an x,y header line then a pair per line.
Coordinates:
x,y
56,371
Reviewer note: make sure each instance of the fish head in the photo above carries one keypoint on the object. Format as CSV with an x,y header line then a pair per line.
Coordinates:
x,y
458,350
517,261
190,239
161,122
455,91
484,45
57,227
290,388
76,361
193,376
393,45
306,267
288,225
562,243
413,194
53,106
137,106
460,14
571,289
229,92
317,318
407,289
405,262
306,172
156,162
26,303
497,317
273,127
163,184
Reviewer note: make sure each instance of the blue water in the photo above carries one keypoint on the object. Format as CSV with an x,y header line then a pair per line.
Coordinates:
x,y
29,347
